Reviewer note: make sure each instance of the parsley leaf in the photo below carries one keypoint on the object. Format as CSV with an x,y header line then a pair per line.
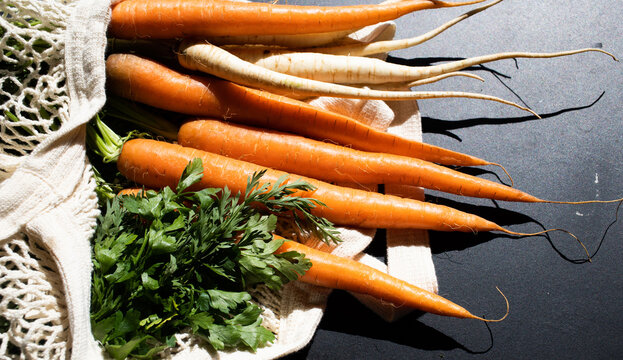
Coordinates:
x,y
169,261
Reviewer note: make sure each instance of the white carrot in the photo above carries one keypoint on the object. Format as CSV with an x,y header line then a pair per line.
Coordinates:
x,y
410,84
218,62
428,71
379,47
340,43
343,69
433,79
289,41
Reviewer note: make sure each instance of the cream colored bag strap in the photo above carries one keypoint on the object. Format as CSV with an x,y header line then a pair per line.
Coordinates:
x,y
408,251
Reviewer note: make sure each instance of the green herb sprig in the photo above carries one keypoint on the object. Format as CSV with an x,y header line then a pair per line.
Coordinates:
x,y
170,261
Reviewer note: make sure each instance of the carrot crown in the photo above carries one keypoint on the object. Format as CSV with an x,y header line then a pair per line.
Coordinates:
x,y
106,143
149,120
103,141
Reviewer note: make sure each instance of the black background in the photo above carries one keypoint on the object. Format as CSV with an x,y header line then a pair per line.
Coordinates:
x,y
560,308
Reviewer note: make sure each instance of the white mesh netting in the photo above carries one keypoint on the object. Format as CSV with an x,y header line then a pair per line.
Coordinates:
x,y
33,98
34,323
33,104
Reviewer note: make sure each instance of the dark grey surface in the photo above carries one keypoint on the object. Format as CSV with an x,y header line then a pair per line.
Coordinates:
x,y
559,308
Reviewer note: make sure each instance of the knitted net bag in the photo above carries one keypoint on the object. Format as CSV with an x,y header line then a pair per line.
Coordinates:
x,y
52,83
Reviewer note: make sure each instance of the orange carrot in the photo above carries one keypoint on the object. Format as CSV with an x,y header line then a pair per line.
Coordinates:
x,y
158,164
132,192
183,18
148,82
335,272
334,163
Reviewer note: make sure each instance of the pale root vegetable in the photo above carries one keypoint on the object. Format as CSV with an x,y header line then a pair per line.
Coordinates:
x,y
379,47
433,79
436,70
336,272
289,41
151,83
347,69
205,57
201,18
410,84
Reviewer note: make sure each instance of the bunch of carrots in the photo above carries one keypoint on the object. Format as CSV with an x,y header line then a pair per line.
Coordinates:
x,y
240,71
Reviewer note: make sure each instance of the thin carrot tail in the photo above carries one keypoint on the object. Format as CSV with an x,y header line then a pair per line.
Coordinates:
x,y
478,60
583,202
454,4
588,256
437,4
505,171
441,77
440,3
503,316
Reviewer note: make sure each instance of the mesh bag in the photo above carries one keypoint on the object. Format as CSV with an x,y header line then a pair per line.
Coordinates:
x,y
33,97
52,83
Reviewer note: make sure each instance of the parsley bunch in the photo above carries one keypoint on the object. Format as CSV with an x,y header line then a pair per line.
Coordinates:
x,y
170,261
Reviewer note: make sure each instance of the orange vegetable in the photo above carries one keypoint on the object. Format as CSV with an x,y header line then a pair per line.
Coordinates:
x,y
132,191
158,164
167,19
335,272
334,163
151,83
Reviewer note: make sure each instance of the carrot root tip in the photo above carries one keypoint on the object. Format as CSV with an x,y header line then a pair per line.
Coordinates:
x,y
505,172
503,316
588,256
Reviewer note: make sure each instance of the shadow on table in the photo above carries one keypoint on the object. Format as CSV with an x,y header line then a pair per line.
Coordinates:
x,y
360,326
442,242
445,127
